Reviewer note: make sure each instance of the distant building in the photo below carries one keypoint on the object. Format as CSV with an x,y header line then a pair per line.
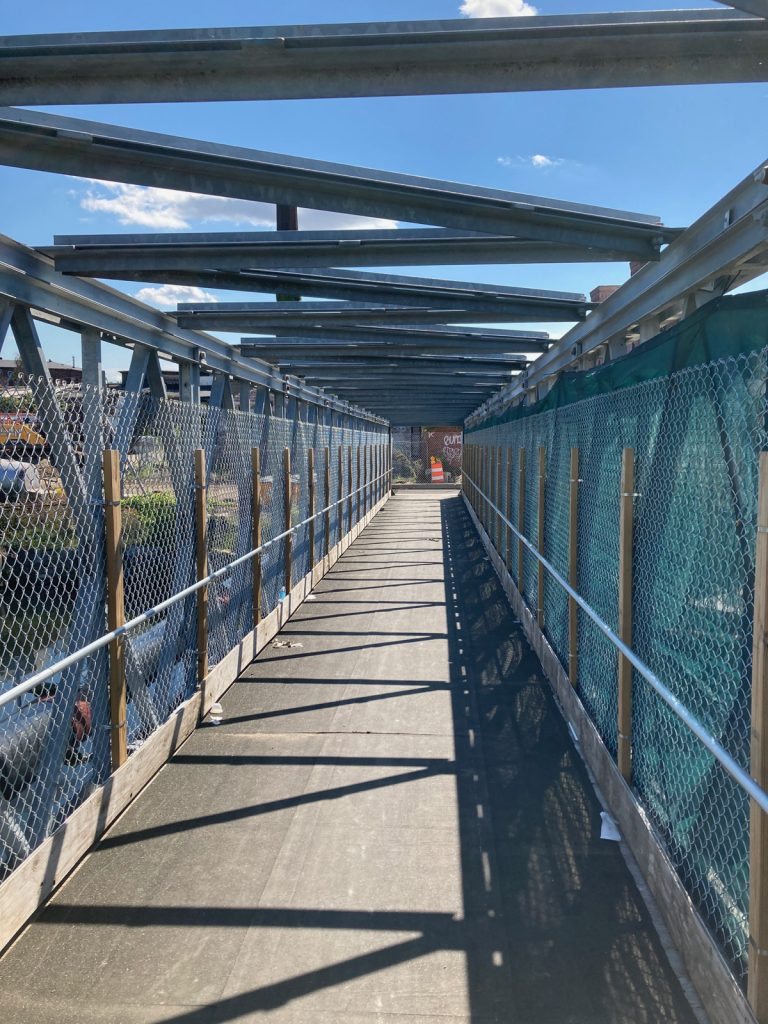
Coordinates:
x,y
171,381
12,372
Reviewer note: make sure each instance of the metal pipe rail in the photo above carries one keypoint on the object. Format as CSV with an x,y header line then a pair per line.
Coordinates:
x,y
103,641
731,766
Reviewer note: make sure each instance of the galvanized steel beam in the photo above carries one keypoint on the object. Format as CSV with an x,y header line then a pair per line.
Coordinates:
x,y
727,246
223,259
415,334
385,289
88,148
580,51
28,278
758,7
242,316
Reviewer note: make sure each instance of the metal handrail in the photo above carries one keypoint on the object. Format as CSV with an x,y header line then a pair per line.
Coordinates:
x,y
734,769
96,645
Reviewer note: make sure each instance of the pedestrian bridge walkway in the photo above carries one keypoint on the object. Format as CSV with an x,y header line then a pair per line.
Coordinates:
x,y
389,825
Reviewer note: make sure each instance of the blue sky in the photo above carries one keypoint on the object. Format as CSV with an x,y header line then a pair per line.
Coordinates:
x,y
671,151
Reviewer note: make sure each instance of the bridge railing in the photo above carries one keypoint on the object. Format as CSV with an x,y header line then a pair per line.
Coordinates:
x,y
141,540
625,513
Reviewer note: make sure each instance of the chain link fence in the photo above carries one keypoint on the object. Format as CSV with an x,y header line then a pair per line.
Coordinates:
x,y
55,744
696,436
424,455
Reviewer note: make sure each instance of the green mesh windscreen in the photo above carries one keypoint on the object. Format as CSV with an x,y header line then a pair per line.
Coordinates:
x,y
692,405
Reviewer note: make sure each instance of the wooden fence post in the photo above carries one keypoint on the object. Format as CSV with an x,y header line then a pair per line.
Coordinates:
x,y
351,488
757,977
311,470
366,480
341,491
573,568
115,607
256,532
487,488
542,497
521,519
497,491
201,523
327,500
624,753
287,506
361,480
508,510
491,527
478,482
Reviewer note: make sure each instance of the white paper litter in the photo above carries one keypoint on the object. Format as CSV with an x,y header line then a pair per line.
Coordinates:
x,y
609,829
286,643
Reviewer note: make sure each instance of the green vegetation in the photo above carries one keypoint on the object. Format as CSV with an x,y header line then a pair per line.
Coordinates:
x,y
149,518
405,469
16,402
25,525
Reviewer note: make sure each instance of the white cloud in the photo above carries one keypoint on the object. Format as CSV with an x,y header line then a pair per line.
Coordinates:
x,y
164,209
538,161
497,9
167,295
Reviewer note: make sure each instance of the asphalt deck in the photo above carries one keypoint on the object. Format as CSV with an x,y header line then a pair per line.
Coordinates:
x,y
390,826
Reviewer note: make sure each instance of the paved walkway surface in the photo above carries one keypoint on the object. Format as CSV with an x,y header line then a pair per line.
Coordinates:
x,y
390,826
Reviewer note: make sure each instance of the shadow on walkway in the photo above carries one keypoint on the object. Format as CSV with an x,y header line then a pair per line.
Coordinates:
x,y
391,826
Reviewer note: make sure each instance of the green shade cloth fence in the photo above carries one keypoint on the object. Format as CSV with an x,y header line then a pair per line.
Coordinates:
x,y
692,404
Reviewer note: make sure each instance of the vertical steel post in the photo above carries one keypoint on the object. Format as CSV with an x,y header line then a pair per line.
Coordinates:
x,y
256,532
289,537
624,754
201,550
757,977
573,568
115,607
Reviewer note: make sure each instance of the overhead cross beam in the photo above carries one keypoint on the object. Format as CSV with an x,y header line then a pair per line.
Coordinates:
x,y
385,289
247,316
726,247
328,350
758,7
580,51
222,259
373,368
90,149
29,279
414,335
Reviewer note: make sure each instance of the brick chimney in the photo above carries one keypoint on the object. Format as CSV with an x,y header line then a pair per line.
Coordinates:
x,y
602,292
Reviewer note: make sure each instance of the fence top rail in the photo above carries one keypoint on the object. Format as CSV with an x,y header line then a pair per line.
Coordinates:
x,y
686,716
150,613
